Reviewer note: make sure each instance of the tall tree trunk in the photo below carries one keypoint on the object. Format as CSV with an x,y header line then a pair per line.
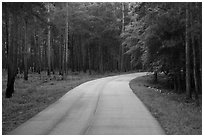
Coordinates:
x,y
195,73
66,41
199,7
188,79
38,52
48,45
25,51
123,29
36,48
12,53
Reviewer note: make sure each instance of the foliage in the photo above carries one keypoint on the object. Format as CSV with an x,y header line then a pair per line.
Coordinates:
x,y
155,37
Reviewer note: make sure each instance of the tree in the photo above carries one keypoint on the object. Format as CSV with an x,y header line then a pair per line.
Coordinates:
x,y
103,37
123,29
11,48
48,42
157,36
13,12
195,67
66,40
188,78
25,50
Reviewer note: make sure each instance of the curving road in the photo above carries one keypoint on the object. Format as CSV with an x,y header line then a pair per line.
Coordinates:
x,y
102,106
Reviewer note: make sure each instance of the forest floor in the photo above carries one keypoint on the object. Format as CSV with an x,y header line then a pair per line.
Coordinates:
x,y
36,94
169,108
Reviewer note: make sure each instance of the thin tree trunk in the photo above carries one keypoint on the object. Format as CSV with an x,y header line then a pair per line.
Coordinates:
x,y
40,52
199,6
48,45
66,41
188,79
60,58
25,51
83,54
89,58
72,53
194,60
195,72
123,29
100,57
36,48
63,57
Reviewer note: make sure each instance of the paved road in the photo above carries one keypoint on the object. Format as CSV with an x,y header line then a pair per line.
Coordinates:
x,y
102,106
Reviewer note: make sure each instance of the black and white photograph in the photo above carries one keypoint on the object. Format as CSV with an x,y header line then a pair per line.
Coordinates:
x,y
101,68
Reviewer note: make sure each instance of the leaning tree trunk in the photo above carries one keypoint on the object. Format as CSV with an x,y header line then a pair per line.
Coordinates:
x,y
188,78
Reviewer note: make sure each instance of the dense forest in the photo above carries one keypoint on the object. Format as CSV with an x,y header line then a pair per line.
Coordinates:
x,y
104,37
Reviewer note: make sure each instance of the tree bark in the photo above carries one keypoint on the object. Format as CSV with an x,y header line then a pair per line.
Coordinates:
x,y
25,51
66,40
123,29
63,58
83,49
89,58
100,57
72,53
188,78
194,59
60,57
12,53
48,44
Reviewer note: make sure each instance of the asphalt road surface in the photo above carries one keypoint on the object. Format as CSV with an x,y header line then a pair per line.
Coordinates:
x,y
103,106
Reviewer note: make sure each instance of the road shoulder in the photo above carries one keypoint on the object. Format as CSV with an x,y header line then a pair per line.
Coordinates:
x,y
175,116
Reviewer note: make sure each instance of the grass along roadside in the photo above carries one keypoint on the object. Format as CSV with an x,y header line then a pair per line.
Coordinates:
x,y
36,94
169,108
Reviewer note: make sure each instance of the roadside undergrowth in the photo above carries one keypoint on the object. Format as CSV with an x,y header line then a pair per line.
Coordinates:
x,y
175,115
